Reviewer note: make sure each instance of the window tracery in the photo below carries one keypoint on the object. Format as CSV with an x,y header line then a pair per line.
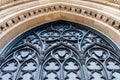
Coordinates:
x,y
61,50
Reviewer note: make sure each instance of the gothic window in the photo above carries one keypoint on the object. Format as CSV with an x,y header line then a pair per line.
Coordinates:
x,y
60,50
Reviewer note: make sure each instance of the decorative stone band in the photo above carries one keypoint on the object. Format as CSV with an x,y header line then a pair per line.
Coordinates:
x,y
59,7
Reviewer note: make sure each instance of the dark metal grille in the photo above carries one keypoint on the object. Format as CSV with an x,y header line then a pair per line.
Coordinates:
x,y
60,50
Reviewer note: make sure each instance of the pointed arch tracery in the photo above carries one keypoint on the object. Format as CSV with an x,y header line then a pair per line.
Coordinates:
x,y
20,63
103,62
61,50
61,61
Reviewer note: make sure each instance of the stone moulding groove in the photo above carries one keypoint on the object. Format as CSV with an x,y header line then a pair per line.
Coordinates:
x,y
59,7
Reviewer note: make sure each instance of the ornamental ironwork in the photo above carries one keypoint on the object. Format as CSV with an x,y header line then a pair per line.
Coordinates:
x,y
60,50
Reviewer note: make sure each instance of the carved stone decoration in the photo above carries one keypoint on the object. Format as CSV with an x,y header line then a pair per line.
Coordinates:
x,y
61,50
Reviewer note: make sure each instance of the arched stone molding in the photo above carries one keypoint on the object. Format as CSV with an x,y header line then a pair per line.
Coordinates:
x,y
103,21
